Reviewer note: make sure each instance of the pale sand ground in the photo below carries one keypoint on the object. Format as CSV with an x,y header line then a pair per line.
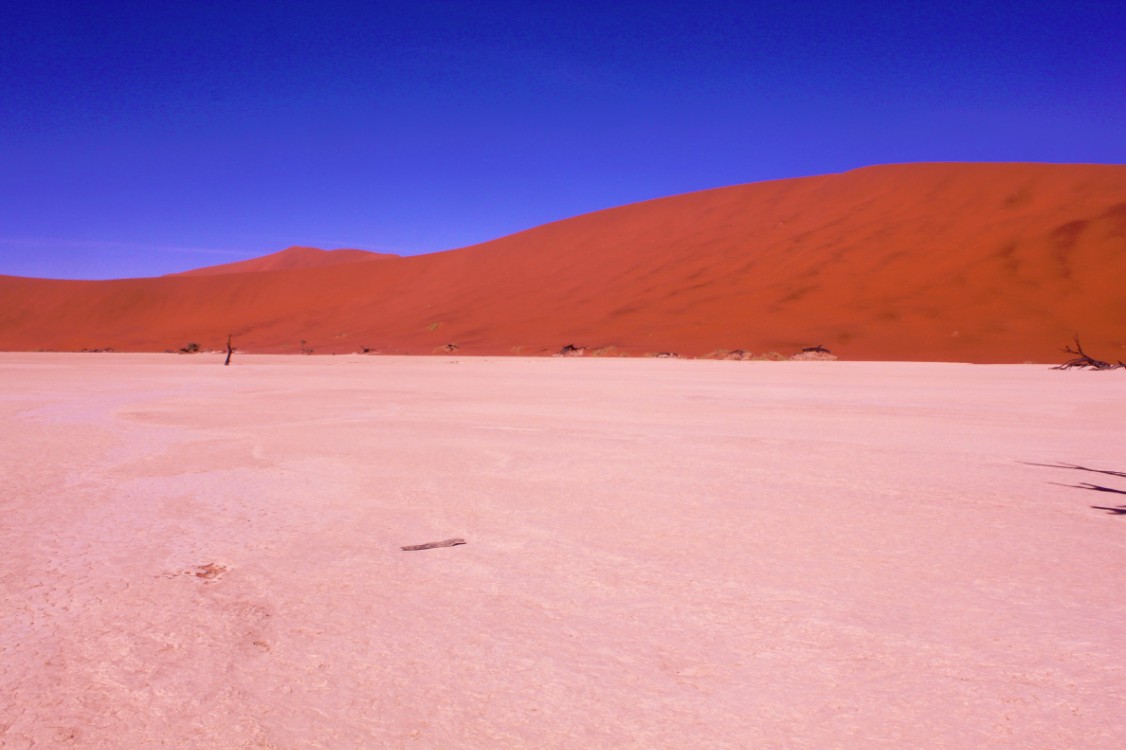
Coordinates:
x,y
661,554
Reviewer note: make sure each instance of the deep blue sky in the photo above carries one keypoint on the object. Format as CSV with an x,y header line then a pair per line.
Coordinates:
x,y
141,138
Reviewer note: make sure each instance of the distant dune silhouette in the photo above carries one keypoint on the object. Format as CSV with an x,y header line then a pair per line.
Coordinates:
x,y
945,262
290,258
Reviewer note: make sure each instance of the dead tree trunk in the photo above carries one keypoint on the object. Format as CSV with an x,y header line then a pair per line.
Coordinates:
x,y
229,351
1084,360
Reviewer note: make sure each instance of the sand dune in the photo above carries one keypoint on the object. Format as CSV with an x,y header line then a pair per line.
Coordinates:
x,y
953,262
290,258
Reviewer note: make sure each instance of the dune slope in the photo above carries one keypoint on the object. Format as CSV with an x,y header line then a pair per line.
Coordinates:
x,y
291,257
948,262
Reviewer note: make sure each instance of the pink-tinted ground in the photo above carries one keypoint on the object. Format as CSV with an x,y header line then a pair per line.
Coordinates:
x,y
661,554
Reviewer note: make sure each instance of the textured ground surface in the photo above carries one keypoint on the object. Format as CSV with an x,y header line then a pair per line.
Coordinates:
x,y
660,554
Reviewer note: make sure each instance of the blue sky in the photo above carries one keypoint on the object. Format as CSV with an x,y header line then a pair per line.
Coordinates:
x,y
141,138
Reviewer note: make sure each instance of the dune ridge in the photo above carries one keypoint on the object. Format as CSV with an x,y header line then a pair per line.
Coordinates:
x,y
941,262
290,258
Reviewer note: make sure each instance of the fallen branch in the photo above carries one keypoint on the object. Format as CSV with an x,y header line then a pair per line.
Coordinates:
x,y
1084,360
433,545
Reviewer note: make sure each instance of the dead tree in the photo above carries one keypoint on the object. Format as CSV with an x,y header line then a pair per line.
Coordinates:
x,y
1082,359
229,351
816,349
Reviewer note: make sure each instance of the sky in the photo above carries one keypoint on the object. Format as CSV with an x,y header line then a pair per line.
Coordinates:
x,y
144,138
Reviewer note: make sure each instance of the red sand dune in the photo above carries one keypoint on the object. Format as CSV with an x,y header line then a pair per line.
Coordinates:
x,y
291,257
947,262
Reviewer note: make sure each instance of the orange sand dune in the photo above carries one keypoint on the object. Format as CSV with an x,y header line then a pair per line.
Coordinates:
x,y
291,257
948,262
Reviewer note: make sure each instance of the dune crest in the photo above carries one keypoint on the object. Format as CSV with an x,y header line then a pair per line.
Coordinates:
x,y
289,259
944,262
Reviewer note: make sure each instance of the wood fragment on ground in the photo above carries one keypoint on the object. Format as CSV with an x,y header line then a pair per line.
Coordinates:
x,y
432,545
210,571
